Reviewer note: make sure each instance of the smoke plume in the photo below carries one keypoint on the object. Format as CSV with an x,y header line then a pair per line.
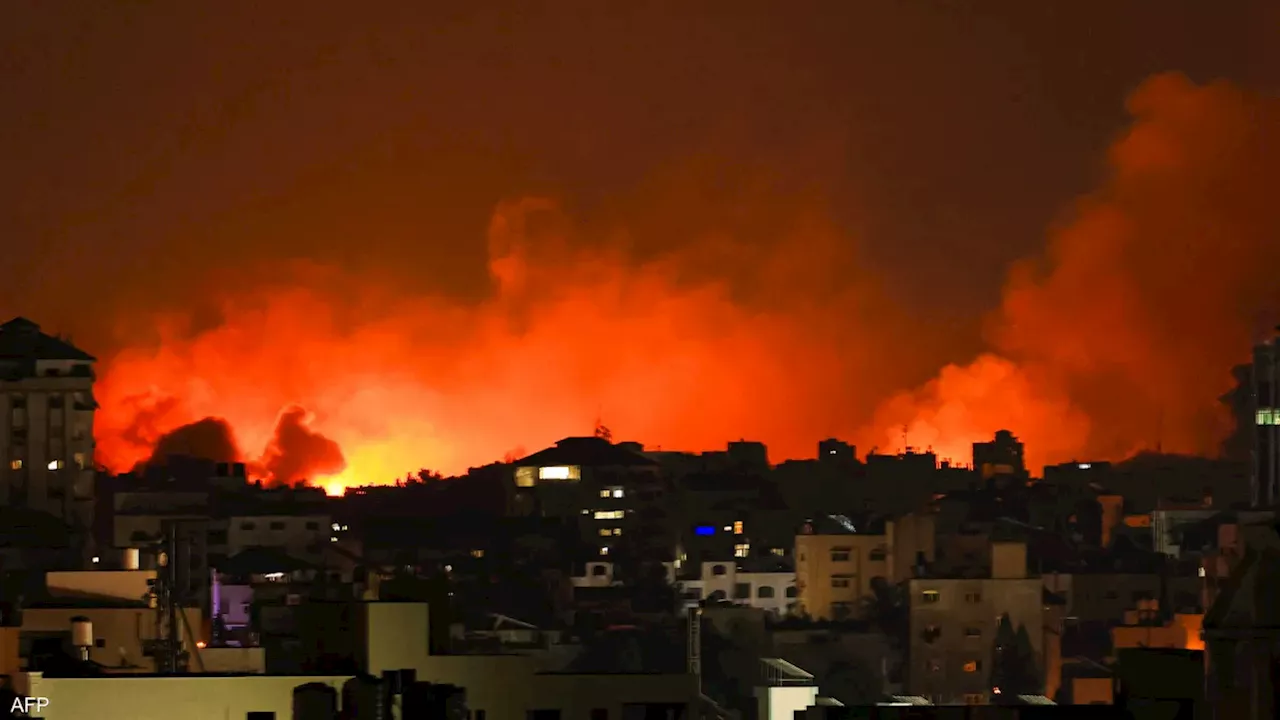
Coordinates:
x,y
1123,336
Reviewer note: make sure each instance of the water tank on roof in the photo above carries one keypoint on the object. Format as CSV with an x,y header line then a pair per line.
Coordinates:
x,y
315,701
362,698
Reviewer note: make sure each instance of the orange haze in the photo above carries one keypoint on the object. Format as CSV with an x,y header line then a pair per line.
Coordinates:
x,y
1122,337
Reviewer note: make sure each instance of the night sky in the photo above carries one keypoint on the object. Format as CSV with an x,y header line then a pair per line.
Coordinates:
x,y
437,233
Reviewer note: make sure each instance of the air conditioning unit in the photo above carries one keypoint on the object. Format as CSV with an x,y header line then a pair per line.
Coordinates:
x,y
293,599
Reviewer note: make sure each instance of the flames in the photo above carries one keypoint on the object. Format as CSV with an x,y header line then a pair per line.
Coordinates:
x,y
1121,337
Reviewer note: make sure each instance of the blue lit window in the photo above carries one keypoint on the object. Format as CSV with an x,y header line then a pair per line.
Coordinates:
x,y
704,530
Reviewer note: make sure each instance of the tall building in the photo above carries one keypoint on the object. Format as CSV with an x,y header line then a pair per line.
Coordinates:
x,y
46,420
1266,413
1003,456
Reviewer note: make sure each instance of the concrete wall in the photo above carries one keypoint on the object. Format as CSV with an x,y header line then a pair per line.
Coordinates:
x,y
144,697
119,631
127,585
825,582
966,614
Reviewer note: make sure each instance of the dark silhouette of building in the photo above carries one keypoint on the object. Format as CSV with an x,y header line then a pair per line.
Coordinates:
x,y
1265,396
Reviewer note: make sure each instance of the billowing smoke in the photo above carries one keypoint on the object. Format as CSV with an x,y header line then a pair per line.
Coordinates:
x,y
1123,336
765,323
210,438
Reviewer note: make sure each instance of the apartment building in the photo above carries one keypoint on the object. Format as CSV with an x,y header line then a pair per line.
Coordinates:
x,y
838,563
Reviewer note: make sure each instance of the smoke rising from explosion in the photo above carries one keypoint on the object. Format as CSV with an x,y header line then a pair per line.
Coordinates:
x,y
1121,337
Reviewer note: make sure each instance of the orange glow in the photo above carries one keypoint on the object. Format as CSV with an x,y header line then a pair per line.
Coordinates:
x,y
1121,338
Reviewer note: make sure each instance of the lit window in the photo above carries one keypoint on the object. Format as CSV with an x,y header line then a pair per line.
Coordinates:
x,y
559,472
80,460
1269,416
333,538
741,550
617,492
930,596
15,464
524,477
336,527
55,465
606,493
604,549
609,514
737,527
604,532
617,531
972,666
728,528
477,553
778,551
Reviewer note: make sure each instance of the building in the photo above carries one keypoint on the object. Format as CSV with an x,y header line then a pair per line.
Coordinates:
x,y
772,591
1265,395
953,624
615,492
1001,457
47,404
837,565
383,638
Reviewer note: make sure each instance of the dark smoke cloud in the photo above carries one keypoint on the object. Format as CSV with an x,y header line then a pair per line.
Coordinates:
x,y
297,452
209,439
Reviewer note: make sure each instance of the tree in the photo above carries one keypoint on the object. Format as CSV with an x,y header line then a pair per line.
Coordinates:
x,y
1014,668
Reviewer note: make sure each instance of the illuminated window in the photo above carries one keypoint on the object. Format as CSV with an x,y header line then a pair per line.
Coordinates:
x,y
335,527
604,549
930,596
477,553
972,666
778,551
609,514
741,550
524,477
617,531
611,492
604,532
737,527
55,464
617,492
605,493
1269,416
15,464
559,472
80,460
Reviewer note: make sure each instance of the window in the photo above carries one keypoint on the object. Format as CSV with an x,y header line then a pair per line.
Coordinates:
x,y
973,598
605,532
247,526
604,549
55,464
15,464
524,477
930,596
610,514
737,527
876,555
599,714
479,714
80,460
1268,416
741,591
791,591
604,493
277,525
973,666
717,569
477,553
975,699
614,492
973,632
778,551
542,715
839,581
741,550
560,472
764,591
840,554
599,570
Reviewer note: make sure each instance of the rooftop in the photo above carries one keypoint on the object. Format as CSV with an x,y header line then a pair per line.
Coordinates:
x,y
587,452
21,339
